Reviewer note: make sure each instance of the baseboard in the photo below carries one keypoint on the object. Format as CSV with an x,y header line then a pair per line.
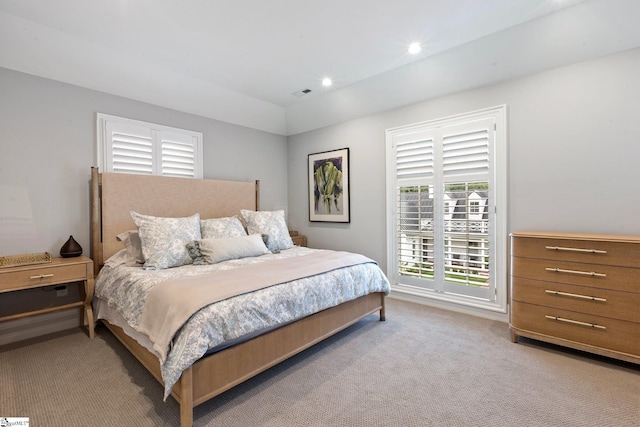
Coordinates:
x,y
420,299
35,326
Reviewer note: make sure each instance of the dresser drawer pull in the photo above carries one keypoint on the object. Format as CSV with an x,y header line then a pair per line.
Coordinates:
x,y
591,251
41,276
584,273
567,294
575,322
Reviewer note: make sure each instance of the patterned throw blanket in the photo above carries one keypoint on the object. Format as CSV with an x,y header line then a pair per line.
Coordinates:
x,y
171,303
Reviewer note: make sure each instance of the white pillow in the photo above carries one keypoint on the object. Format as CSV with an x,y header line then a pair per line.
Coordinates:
x,y
133,245
212,251
163,239
272,225
215,228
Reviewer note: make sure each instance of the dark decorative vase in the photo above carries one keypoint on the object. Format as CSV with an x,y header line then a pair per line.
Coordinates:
x,y
70,249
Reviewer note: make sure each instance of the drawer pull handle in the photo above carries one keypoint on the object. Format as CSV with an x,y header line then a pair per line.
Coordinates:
x,y
575,322
584,273
41,276
567,294
591,251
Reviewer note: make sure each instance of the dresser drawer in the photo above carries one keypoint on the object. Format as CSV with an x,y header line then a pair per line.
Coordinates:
x,y
46,275
576,250
599,302
574,273
609,333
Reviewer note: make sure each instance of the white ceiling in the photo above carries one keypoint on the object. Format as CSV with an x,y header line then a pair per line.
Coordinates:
x,y
241,60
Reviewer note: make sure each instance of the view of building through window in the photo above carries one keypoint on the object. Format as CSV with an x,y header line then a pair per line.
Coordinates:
x,y
465,231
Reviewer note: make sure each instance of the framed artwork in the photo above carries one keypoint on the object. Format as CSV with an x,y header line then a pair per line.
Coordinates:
x,y
329,186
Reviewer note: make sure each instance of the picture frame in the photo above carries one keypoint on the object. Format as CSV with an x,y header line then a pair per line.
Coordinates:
x,y
329,192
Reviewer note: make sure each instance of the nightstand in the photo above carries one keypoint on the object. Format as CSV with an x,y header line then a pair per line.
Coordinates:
x,y
58,271
299,240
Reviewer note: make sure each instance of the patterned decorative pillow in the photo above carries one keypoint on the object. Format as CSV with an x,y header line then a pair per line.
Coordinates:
x,y
270,224
164,239
212,251
216,228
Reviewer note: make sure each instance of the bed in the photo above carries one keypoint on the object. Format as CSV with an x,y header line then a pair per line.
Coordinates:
x,y
229,358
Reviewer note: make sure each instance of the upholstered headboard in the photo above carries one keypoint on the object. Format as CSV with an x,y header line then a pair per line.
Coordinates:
x,y
115,195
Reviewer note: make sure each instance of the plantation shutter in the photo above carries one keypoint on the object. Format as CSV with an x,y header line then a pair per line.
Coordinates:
x,y
443,218
467,246
415,173
130,146
178,155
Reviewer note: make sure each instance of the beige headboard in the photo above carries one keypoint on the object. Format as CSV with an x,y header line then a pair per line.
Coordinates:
x,y
115,195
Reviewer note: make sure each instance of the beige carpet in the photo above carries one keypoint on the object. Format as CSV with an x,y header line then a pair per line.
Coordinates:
x,y
422,367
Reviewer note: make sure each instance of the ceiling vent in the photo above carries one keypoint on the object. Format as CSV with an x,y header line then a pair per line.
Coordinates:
x,y
302,92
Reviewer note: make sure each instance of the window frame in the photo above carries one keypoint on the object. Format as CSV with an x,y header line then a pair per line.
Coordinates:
x,y
158,134
499,209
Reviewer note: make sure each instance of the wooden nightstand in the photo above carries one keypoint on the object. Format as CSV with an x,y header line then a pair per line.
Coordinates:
x,y
299,240
58,271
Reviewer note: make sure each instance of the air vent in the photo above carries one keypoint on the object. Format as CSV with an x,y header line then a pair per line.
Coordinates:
x,y
302,92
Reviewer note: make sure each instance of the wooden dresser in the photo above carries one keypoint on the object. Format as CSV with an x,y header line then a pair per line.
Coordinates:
x,y
577,290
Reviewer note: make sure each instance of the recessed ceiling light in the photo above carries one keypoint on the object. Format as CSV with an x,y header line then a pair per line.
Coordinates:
x,y
414,48
326,82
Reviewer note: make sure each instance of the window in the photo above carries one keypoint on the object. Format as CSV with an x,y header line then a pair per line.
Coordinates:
x,y
447,198
131,146
474,207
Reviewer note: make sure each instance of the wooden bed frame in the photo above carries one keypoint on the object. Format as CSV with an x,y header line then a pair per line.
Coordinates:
x,y
114,195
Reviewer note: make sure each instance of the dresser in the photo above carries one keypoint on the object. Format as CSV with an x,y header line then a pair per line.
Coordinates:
x,y
59,271
577,290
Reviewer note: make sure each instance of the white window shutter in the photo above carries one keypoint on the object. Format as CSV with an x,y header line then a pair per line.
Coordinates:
x,y
131,146
442,229
178,154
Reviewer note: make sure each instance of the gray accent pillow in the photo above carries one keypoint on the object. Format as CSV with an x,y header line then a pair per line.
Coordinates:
x,y
164,239
212,251
271,224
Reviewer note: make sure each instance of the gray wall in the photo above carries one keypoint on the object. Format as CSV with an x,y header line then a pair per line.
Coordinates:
x,y
48,144
574,154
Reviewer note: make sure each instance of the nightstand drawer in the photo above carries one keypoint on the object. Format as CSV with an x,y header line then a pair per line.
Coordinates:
x,y
575,273
46,275
577,327
599,302
576,250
